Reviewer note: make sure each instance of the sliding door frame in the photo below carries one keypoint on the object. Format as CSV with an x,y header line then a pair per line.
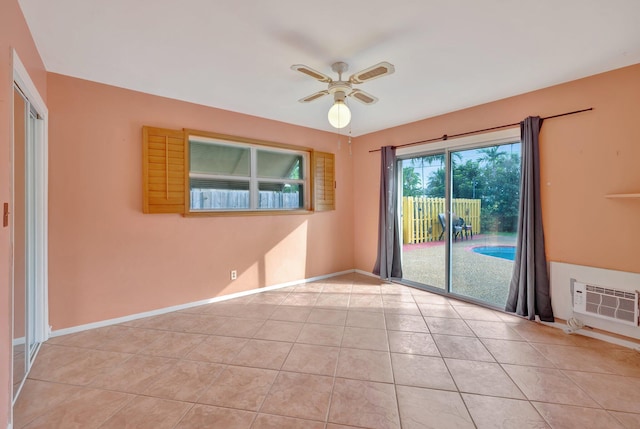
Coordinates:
x,y
477,141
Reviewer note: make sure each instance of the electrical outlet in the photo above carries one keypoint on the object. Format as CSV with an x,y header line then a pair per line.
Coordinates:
x,y
234,274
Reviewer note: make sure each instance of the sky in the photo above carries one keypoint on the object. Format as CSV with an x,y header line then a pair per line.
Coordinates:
x,y
425,170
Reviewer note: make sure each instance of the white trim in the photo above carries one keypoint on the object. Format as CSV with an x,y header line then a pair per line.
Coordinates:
x,y
597,335
19,341
164,310
39,243
366,273
495,138
22,78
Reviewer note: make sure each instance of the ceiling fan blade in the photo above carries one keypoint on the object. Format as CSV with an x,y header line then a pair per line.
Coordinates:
x,y
363,97
314,96
381,69
311,72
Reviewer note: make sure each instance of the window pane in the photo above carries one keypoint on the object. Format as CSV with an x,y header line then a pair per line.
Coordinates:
x,y
279,165
280,196
219,194
219,159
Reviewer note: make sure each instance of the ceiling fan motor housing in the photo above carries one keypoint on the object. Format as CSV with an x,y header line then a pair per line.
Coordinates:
x,y
339,86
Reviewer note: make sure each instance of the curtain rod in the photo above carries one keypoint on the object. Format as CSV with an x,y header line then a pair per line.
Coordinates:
x,y
447,137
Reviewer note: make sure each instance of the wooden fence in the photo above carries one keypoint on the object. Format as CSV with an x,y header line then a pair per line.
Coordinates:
x,y
420,217
237,199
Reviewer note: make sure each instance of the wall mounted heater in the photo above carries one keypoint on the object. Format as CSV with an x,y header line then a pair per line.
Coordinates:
x,y
606,303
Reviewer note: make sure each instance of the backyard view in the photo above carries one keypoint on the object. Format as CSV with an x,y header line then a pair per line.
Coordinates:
x,y
484,206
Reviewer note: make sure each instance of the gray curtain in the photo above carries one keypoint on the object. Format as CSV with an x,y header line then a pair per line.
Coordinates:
x,y
529,293
388,262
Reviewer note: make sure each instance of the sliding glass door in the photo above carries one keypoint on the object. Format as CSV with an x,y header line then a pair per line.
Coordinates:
x,y
459,220
423,206
485,195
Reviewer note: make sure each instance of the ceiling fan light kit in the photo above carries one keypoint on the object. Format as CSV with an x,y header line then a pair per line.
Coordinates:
x,y
339,115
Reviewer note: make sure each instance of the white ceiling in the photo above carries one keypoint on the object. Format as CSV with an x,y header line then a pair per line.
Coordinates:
x,y
235,54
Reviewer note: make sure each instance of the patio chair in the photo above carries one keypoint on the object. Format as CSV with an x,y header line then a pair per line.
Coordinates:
x,y
467,229
455,221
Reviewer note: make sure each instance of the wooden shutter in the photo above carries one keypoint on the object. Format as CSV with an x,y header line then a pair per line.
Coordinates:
x,y
324,172
163,168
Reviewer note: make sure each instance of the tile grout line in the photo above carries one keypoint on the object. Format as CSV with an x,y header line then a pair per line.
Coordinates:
x,y
184,414
534,343
116,411
501,368
280,370
466,406
393,373
520,389
335,371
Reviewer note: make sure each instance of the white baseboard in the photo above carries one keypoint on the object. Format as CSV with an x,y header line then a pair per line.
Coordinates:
x,y
109,322
597,335
366,273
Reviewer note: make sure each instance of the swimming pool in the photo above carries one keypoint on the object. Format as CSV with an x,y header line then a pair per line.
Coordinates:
x,y
504,252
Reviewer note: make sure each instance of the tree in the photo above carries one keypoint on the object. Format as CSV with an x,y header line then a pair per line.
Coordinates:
x,y
491,155
435,184
500,202
467,181
494,179
411,183
429,160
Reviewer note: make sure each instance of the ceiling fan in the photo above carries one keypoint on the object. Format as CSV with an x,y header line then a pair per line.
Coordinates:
x,y
339,114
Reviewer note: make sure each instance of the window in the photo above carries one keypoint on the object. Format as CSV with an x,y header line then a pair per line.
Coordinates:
x,y
234,176
198,173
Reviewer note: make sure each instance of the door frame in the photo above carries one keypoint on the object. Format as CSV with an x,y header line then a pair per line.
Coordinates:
x,y
445,147
39,216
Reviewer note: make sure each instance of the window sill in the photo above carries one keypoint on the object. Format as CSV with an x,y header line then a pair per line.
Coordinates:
x,y
246,213
636,195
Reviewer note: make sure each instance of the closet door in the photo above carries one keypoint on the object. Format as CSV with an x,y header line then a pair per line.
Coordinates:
x,y
19,238
26,237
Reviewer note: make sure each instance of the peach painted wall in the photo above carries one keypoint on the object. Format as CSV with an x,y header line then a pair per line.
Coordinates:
x,y
14,34
107,259
583,158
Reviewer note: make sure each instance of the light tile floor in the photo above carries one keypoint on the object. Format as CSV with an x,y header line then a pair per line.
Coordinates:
x,y
341,353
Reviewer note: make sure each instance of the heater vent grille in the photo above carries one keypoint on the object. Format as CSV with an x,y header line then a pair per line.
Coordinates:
x,y
606,303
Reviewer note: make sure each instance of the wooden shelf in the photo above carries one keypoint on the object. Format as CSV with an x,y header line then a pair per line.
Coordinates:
x,y
636,195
